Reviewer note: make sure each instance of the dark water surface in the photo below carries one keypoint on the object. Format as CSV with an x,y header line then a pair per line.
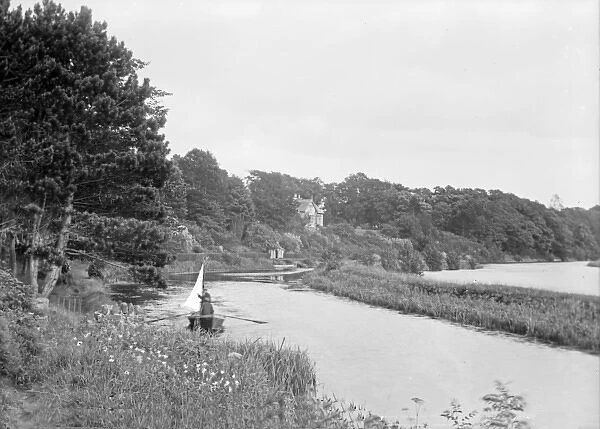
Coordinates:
x,y
381,359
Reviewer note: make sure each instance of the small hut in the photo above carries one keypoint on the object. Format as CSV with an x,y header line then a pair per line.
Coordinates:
x,y
276,252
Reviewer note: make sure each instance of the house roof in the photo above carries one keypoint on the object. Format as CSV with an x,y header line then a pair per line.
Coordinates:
x,y
304,204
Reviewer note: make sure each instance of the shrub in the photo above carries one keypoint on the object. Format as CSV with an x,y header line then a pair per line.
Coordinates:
x,y
332,258
433,258
149,275
453,260
19,338
95,269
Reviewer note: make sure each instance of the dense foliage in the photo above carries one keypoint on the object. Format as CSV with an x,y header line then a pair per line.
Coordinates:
x,y
78,132
19,336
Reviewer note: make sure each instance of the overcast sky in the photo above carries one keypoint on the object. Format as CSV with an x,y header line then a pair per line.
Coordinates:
x,y
489,94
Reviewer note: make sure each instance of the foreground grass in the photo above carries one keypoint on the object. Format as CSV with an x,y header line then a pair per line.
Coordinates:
x,y
119,374
552,317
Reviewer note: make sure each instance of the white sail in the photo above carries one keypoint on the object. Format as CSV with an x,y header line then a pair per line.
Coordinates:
x,y
193,301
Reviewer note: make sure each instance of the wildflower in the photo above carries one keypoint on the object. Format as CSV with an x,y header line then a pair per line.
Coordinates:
x,y
126,372
185,372
79,343
111,360
109,338
120,336
74,338
185,366
164,363
130,347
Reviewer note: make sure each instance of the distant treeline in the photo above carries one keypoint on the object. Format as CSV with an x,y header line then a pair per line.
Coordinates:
x,y
488,225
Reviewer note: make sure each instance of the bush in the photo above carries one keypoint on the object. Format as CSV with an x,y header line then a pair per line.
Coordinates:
x,y
332,258
149,275
411,261
433,258
453,260
95,269
19,338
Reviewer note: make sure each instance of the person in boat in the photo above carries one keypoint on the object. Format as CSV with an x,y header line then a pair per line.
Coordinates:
x,y
206,312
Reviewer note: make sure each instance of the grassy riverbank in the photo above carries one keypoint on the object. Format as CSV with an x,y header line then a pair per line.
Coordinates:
x,y
119,373
552,317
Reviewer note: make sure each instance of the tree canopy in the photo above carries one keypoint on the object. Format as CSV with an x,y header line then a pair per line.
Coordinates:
x,y
78,130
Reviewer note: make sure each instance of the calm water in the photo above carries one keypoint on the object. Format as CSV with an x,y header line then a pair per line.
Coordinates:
x,y
575,277
381,359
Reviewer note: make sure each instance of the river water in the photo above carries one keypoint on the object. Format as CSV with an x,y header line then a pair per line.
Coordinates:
x,y
380,359
574,277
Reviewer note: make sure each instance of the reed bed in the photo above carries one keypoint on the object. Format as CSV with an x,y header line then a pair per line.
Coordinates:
x,y
557,318
121,374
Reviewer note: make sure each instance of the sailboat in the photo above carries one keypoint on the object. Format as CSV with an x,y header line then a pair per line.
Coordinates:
x,y
193,302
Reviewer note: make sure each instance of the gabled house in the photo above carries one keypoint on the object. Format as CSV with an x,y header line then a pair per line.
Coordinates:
x,y
313,212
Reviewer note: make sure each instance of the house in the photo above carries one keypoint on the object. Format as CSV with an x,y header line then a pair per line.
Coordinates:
x,y
313,212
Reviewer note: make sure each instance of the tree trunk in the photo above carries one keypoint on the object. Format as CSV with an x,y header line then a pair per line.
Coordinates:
x,y
61,243
12,253
32,263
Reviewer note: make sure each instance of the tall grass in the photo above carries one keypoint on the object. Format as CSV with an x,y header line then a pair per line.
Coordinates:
x,y
558,318
124,374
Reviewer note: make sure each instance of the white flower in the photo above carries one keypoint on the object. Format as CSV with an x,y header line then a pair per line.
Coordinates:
x,y
111,360
79,343
126,372
74,338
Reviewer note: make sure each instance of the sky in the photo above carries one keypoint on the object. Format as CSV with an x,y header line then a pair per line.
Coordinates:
x,y
492,94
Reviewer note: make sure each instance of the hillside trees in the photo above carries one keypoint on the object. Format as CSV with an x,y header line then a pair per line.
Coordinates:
x,y
273,197
78,130
215,201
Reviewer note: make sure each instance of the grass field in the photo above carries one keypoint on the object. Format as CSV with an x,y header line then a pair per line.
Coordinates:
x,y
558,318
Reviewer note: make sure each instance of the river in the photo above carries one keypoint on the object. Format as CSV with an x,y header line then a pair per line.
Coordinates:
x,y
574,277
380,359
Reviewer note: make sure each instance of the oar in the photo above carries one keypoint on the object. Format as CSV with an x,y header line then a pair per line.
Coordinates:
x,y
168,317
242,318
206,317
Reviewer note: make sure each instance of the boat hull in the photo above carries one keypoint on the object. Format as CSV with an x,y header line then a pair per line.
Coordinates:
x,y
216,323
